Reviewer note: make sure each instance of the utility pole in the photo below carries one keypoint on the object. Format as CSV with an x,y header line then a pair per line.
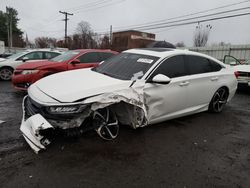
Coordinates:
x,y
11,39
66,24
110,36
8,27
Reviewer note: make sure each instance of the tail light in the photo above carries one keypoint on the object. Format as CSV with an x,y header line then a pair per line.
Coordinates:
x,y
236,74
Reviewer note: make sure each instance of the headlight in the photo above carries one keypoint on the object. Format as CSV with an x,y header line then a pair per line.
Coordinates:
x,y
66,109
29,71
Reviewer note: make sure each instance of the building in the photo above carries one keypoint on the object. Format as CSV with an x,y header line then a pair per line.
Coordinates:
x,y
131,39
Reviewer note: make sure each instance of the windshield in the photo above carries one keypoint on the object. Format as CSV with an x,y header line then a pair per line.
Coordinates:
x,y
16,55
126,66
65,56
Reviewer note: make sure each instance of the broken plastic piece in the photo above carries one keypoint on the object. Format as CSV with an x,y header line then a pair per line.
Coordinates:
x,y
31,131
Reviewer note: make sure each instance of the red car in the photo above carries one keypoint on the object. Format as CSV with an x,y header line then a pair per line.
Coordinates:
x,y
28,73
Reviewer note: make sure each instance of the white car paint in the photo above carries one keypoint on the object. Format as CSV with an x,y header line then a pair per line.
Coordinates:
x,y
2,59
91,83
152,102
13,62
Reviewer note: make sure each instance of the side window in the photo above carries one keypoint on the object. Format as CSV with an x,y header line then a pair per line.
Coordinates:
x,y
215,66
91,57
172,67
33,56
49,55
105,55
198,65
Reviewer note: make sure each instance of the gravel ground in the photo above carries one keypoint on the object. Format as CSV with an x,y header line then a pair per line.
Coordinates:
x,y
202,150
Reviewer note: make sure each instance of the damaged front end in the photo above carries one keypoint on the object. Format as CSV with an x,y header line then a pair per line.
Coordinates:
x,y
102,113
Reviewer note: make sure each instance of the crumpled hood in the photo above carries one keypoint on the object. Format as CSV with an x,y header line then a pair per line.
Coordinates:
x,y
242,68
75,85
34,65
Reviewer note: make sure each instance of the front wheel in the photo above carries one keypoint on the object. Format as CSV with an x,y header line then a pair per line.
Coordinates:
x,y
219,100
107,124
6,73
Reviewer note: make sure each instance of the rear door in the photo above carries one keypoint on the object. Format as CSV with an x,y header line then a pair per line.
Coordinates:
x,y
204,80
165,101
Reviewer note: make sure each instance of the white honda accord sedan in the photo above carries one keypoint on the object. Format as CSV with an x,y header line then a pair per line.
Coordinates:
x,y
137,87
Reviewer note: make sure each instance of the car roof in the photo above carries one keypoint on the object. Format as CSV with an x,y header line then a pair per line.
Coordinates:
x,y
167,52
44,50
94,50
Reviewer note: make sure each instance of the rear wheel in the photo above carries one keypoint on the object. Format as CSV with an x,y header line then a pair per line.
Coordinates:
x,y
219,100
6,73
107,124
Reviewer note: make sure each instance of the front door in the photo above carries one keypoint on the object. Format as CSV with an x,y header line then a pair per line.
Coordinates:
x,y
165,101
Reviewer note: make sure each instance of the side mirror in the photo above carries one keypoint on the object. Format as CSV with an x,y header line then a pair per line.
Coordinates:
x,y
25,59
75,61
161,79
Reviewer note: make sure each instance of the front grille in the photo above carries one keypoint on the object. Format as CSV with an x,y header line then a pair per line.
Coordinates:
x,y
17,72
31,108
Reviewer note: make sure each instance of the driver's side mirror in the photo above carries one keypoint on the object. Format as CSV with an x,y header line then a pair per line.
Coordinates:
x,y
75,61
160,79
25,59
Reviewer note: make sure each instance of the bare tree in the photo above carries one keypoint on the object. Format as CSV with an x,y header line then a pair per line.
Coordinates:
x,y
201,35
45,42
180,44
105,44
86,35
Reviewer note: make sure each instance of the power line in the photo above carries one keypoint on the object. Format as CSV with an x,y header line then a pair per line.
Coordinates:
x,y
186,15
192,18
192,22
87,5
98,7
200,21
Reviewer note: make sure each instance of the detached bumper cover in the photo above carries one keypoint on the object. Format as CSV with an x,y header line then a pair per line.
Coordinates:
x,y
31,129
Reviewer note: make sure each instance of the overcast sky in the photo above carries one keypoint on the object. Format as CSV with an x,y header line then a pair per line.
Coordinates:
x,y
42,17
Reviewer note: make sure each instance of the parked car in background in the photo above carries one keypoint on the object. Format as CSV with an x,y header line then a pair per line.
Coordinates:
x,y
137,87
28,73
8,65
243,69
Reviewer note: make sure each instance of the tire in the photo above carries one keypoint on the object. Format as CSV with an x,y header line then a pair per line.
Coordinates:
x,y
219,100
6,73
107,124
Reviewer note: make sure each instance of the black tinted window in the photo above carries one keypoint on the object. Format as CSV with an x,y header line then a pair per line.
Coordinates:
x,y
215,66
49,55
91,57
172,67
198,65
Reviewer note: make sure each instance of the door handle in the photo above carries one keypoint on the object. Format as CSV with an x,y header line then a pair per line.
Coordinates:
x,y
184,83
214,78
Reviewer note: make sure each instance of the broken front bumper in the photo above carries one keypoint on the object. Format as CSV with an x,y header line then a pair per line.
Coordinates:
x,y
31,128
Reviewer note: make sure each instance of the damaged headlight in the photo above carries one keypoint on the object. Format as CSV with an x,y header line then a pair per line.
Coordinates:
x,y
72,109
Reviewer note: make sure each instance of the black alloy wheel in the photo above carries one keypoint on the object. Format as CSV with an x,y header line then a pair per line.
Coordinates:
x,y
107,123
219,100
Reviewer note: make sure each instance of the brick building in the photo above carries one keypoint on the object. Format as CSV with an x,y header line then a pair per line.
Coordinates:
x,y
131,39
